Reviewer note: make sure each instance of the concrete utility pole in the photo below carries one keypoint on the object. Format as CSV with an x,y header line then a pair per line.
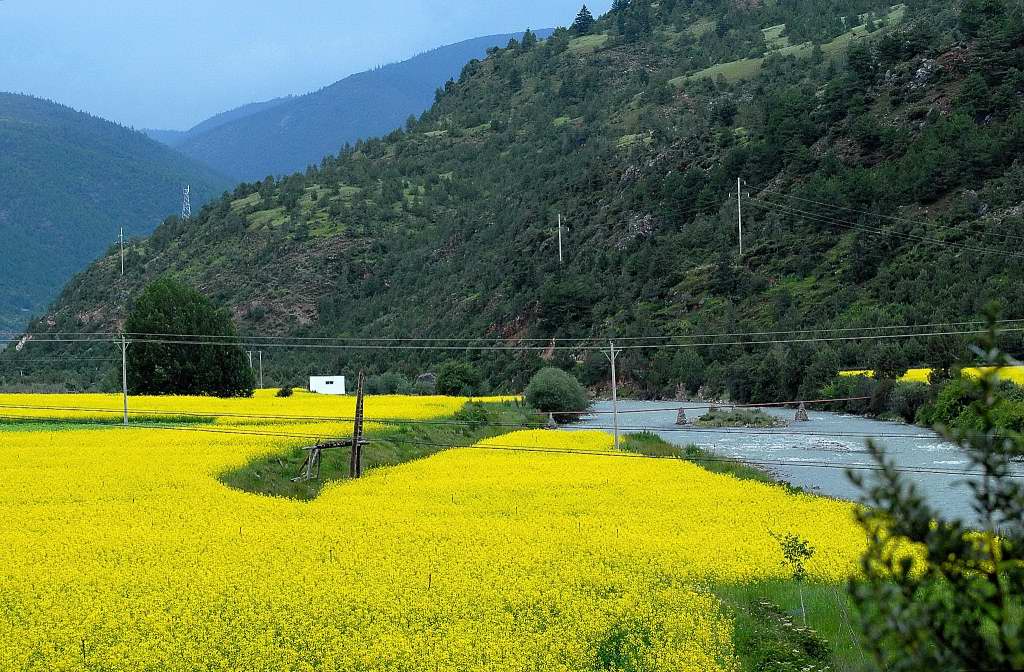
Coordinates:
x,y
124,375
739,210
612,354
261,369
120,238
559,238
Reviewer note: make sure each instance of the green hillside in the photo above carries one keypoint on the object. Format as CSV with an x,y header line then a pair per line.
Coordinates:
x,y
883,179
70,181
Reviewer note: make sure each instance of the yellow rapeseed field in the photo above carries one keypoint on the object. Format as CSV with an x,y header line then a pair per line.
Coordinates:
x,y
121,551
1012,373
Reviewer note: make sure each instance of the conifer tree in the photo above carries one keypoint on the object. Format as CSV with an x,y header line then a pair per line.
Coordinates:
x,y
584,21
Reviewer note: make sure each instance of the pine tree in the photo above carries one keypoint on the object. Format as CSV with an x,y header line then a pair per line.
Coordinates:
x,y
584,21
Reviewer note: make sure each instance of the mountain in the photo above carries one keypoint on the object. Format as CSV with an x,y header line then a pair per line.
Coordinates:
x,y
177,138
70,181
879,148
288,134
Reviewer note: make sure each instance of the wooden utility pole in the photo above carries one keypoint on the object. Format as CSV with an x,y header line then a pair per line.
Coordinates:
x,y
310,469
356,461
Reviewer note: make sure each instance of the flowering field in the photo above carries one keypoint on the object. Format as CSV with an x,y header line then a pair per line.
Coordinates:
x,y
1014,374
123,552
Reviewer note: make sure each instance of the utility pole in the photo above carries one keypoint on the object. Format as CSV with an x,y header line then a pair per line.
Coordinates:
x,y
124,375
739,210
121,239
261,369
559,239
612,354
355,469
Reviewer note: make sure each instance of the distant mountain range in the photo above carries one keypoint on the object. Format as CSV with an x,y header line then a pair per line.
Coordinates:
x,y
70,181
885,188
178,138
286,135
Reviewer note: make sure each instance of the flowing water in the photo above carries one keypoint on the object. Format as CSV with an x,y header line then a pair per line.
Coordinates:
x,y
815,454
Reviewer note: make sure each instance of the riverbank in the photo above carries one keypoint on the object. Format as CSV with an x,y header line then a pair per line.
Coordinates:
x,y
813,455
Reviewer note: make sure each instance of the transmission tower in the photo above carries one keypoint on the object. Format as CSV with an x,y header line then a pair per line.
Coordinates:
x,y
186,203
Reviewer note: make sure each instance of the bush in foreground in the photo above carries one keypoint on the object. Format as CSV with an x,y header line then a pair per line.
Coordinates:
x,y
955,602
552,390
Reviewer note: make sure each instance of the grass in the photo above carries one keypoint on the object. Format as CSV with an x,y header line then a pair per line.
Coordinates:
x,y
773,37
748,68
268,218
652,445
745,68
743,417
770,635
250,201
587,43
634,139
271,475
701,27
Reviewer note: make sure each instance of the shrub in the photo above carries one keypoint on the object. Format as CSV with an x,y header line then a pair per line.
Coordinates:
x,y
285,391
907,398
389,383
552,390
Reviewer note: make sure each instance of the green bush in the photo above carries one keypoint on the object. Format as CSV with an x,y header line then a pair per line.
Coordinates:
x,y
168,306
458,379
389,383
552,390
906,399
285,391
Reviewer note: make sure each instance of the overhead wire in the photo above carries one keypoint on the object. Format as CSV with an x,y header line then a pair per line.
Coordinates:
x,y
764,189
528,348
812,216
572,452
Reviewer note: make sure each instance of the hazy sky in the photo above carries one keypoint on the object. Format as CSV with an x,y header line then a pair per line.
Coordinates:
x,y
165,64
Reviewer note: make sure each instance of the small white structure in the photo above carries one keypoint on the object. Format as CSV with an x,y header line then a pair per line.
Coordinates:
x,y
327,384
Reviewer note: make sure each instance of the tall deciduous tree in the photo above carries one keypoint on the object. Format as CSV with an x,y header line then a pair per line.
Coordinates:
x,y
169,307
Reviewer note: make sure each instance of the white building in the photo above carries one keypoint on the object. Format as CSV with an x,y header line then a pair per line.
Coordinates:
x,y
327,384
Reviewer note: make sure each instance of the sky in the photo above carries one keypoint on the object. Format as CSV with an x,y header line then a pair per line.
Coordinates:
x,y
170,65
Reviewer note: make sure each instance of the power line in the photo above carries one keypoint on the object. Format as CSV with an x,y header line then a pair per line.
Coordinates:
x,y
249,337
521,348
441,422
860,227
590,453
936,225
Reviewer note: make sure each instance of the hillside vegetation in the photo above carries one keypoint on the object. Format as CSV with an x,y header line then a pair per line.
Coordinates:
x,y
70,181
288,134
883,179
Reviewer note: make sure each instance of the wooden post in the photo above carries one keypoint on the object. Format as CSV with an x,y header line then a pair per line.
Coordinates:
x,y
355,469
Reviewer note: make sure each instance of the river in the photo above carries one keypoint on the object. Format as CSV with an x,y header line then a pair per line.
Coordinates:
x,y
813,454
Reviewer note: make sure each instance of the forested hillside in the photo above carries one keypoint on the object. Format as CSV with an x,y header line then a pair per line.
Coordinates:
x,y
176,138
879,151
288,134
69,182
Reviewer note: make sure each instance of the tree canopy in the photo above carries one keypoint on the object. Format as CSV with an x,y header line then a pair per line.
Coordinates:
x,y
170,307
